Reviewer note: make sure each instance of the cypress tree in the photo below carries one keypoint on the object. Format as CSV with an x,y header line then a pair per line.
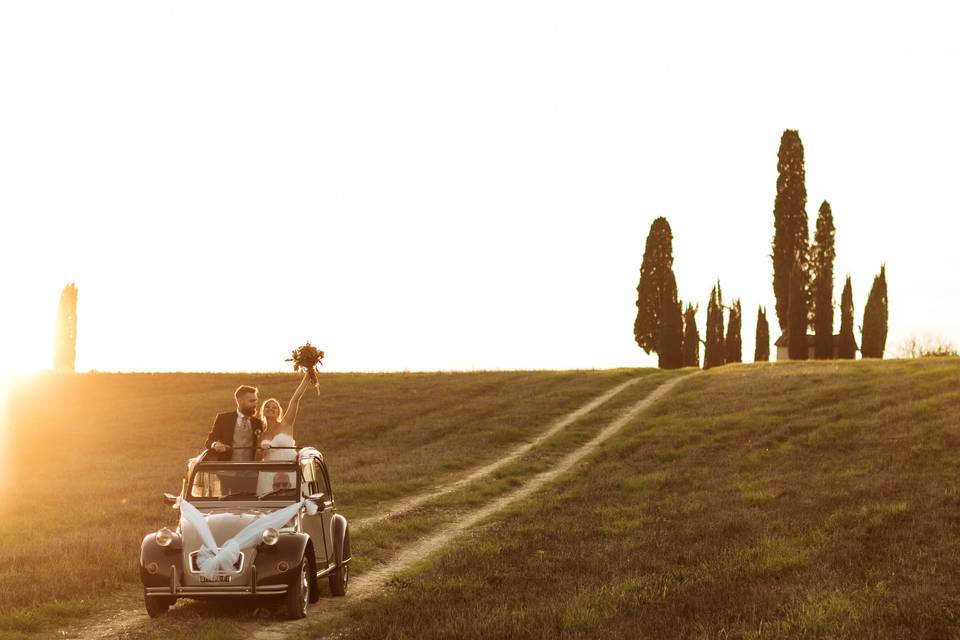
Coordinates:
x,y
791,232
655,271
710,351
733,345
847,348
797,327
65,336
670,348
822,256
761,352
713,352
874,332
691,338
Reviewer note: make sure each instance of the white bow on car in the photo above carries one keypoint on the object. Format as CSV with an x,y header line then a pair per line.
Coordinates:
x,y
213,557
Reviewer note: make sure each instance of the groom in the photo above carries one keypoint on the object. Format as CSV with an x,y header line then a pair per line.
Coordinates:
x,y
235,433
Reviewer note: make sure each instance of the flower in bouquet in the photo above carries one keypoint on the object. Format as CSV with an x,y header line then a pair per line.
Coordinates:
x,y
306,358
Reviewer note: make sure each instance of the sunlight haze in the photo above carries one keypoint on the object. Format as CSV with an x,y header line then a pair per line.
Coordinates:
x,y
454,186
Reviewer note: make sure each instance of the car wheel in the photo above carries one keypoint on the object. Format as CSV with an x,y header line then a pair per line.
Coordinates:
x,y
299,591
157,605
338,580
340,576
314,583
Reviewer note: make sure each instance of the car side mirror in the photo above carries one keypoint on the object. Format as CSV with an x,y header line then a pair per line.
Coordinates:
x,y
317,497
169,498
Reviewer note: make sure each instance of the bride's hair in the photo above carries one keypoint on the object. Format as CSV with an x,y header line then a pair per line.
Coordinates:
x,y
264,406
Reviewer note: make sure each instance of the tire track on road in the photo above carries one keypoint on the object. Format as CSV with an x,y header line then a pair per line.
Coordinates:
x,y
412,502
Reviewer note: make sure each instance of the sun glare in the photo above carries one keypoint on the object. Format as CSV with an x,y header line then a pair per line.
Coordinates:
x,y
18,363
5,389
25,349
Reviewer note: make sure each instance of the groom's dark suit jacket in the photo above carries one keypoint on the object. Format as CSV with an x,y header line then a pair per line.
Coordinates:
x,y
222,431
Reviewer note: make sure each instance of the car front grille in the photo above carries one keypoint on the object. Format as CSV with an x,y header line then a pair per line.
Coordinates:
x,y
195,564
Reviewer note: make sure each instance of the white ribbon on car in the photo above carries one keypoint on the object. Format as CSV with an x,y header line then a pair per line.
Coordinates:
x,y
212,557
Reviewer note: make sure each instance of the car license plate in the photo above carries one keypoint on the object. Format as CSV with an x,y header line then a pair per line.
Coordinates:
x,y
215,579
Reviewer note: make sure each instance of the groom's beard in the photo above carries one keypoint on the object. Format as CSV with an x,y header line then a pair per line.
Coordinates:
x,y
248,411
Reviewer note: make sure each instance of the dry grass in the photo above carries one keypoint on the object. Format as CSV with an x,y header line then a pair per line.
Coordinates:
x,y
792,501
380,544
89,456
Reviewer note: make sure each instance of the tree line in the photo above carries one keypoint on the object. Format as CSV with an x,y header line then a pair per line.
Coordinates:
x,y
803,278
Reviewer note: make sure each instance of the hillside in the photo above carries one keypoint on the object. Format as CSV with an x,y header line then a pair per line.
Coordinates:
x,y
773,501
88,457
755,501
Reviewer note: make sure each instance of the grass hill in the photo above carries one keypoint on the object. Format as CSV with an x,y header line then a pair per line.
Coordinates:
x,y
88,456
784,500
817,500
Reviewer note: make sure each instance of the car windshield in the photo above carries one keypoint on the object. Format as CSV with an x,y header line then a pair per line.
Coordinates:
x,y
248,483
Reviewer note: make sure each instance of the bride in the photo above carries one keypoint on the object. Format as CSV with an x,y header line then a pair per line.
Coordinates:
x,y
277,435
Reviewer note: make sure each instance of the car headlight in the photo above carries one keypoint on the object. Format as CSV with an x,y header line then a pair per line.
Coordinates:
x,y
164,537
270,537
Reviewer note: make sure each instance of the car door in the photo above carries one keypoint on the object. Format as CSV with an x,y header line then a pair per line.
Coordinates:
x,y
327,510
314,526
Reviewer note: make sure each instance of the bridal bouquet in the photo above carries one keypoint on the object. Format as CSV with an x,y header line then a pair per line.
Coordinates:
x,y
306,358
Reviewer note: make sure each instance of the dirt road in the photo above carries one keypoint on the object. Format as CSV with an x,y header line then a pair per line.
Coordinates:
x,y
413,502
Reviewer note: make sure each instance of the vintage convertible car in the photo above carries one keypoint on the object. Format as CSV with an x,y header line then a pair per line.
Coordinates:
x,y
229,502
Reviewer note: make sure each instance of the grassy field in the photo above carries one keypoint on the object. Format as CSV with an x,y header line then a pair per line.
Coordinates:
x,y
377,545
803,500
382,542
88,456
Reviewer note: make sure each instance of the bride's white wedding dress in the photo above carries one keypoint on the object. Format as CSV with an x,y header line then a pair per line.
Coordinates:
x,y
268,480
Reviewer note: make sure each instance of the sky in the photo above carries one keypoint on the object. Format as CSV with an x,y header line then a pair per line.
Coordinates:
x,y
446,186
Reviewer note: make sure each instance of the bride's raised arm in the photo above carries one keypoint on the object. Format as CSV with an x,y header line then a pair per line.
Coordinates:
x,y
293,407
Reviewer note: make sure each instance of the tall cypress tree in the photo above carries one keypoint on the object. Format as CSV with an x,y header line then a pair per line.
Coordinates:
x,y
761,352
847,347
791,231
655,272
797,327
670,352
713,352
65,337
822,256
733,345
691,338
670,347
874,333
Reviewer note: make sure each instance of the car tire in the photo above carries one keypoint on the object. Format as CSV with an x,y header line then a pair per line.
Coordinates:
x,y
314,583
157,605
341,575
338,580
298,594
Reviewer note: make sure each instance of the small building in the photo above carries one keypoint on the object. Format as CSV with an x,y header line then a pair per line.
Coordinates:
x,y
783,346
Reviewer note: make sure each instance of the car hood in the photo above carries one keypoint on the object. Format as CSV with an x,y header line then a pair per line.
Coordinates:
x,y
223,523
